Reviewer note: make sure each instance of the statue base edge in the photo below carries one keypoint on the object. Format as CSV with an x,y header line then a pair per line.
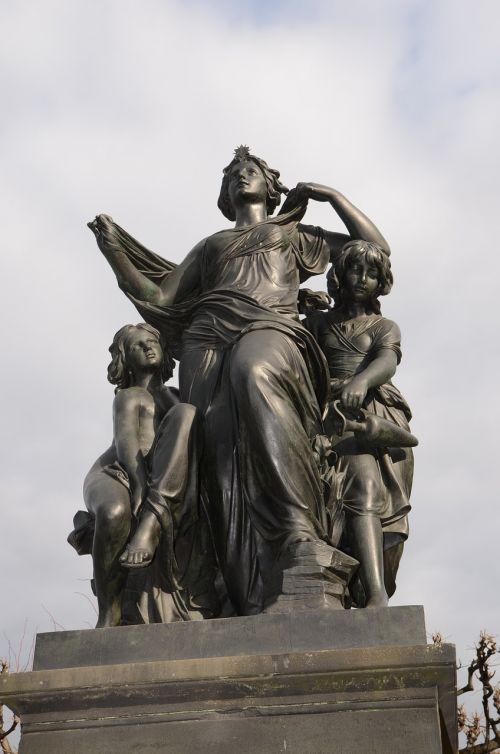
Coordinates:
x,y
307,701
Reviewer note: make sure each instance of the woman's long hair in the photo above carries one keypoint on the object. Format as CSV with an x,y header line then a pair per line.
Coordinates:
x,y
352,251
118,372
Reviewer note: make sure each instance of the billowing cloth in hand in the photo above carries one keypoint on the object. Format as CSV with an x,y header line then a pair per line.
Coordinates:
x,y
252,284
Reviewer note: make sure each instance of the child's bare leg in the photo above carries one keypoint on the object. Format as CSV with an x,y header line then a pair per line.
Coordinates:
x,y
112,529
173,475
142,547
366,538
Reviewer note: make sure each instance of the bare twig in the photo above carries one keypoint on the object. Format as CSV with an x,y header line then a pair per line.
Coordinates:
x,y
4,742
29,660
488,747
20,646
437,639
469,686
91,602
56,626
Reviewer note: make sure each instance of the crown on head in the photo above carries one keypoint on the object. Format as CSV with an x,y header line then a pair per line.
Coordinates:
x,y
242,152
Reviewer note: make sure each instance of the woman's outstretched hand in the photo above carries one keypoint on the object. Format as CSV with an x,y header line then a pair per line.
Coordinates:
x,y
101,227
100,224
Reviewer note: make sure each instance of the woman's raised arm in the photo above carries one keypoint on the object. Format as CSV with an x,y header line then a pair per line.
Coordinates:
x,y
180,283
359,226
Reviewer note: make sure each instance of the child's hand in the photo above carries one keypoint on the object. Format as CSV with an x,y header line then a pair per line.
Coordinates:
x,y
337,384
355,392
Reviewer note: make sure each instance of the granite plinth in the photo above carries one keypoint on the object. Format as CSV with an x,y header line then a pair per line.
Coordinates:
x,y
269,685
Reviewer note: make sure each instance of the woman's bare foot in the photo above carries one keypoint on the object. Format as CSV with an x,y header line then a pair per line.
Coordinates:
x,y
142,547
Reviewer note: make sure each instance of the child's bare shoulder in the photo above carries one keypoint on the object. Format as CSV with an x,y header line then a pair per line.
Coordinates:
x,y
387,327
131,398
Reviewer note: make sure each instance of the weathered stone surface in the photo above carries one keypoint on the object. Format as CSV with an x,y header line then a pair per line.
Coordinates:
x,y
295,699
315,630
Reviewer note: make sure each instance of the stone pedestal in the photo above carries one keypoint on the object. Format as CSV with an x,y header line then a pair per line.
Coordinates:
x,y
347,682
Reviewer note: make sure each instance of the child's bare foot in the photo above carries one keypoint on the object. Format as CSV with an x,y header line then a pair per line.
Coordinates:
x,y
141,549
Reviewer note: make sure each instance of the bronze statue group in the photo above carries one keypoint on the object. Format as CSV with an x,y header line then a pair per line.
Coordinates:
x,y
208,494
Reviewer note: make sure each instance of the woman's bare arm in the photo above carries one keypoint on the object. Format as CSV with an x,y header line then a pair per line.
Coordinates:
x,y
359,226
178,285
185,281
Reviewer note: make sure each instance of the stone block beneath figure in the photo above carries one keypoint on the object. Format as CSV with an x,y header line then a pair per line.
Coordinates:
x,y
308,576
309,683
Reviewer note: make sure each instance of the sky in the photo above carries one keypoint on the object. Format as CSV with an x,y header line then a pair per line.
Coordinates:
x,y
133,109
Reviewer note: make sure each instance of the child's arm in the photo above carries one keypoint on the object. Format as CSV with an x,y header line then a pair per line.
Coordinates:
x,y
126,408
378,371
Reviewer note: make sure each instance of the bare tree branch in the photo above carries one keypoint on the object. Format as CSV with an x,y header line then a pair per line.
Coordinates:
x,y
485,724
4,742
489,747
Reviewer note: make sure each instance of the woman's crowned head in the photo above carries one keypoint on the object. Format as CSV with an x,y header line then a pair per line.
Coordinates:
x,y
274,187
120,372
368,254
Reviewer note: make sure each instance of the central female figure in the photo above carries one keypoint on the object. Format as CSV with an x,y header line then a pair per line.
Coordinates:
x,y
246,362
